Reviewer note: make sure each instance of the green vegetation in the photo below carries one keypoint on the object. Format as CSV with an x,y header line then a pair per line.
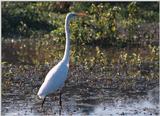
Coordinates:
x,y
108,23
33,33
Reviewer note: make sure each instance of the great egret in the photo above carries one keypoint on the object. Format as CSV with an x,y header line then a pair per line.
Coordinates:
x,y
56,77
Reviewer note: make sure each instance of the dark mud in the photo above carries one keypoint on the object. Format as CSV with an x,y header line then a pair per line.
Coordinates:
x,y
106,82
82,95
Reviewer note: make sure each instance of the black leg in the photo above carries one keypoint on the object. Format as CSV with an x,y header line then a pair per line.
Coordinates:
x,y
43,101
60,101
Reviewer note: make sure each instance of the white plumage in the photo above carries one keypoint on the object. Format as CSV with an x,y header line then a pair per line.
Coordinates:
x,y
54,80
56,77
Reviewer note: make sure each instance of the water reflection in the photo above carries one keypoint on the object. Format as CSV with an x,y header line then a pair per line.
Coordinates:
x,y
108,81
119,106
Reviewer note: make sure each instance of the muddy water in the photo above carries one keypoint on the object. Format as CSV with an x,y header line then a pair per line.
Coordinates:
x,y
106,81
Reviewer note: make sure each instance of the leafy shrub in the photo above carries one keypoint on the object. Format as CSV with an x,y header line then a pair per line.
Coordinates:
x,y
107,23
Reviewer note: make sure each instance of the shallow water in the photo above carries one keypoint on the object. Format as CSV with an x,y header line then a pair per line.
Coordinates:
x,y
108,81
109,102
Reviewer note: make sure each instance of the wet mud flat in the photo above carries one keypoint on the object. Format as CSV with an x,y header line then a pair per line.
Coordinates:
x,y
108,81
84,93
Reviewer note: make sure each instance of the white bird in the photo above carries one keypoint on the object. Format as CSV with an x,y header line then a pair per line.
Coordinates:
x,y
56,77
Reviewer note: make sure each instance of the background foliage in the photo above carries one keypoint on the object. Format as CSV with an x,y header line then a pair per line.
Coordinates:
x,y
107,23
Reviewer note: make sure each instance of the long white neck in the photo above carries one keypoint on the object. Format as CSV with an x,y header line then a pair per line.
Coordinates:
x,y
67,47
